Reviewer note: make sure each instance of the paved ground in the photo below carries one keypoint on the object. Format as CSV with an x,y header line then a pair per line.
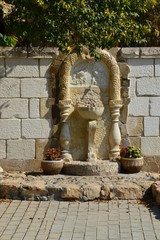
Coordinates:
x,y
29,220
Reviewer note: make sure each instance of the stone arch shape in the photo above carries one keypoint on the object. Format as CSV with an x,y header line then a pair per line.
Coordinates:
x,y
115,102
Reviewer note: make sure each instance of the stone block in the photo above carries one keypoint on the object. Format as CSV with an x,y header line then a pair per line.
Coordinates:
x,y
132,52
36,128
135,141
34,108
150,146
9,87
70,191
41,146
124,69
45,67
124,92
2,68
10,128
2,149
157,67
150,52
14,108
151,126
126,191
148,86
139,106
135,126
46,107
92,191
154,106
21,149
22,67
34,87
141,67
151,164
105,192
132,89
27,165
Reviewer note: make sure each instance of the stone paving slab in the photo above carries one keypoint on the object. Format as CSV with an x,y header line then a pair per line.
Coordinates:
x,y
22,186
97,220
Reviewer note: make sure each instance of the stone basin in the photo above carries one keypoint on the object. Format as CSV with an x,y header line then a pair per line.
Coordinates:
x,y
90,113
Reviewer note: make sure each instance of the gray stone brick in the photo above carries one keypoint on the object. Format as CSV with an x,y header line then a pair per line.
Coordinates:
x,y
9,87
139,106
151,126
148,86
141,67
2,67
23,67
9,128
150,146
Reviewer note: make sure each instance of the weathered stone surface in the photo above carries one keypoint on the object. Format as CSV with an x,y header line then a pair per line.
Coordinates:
x,y
2,68
139,106
154,106
113,51
150,146
83,188
105,192
45,67
100,168
35,87
33,190
25,52
135,126
151,126
9,87
92,191
141,67
125,92
150,52
1,170
151,164
20,165
124,69
14,108
126,191
41,146
157,67
70,191
22,67
36,128
46,107
148,86
132,52
2,149
135,141
34,108
155,187
21,149
132,88
123,129
9,128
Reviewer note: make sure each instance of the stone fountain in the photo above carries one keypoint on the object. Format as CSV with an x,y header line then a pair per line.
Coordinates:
x,y
90,103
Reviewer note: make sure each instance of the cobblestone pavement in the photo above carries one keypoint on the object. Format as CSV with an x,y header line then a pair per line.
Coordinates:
x,y
53,220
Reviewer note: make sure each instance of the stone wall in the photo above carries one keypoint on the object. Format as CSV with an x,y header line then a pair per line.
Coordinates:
x,y
144,108
29,116
26,100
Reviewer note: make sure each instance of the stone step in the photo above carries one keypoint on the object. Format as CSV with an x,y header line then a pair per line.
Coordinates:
x,y
96,168
82,188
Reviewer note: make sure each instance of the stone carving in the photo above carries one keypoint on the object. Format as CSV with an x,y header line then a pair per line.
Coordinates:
x,y
83,71
88,73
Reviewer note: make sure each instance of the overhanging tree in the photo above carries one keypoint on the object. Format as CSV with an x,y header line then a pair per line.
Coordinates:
x,y
93,23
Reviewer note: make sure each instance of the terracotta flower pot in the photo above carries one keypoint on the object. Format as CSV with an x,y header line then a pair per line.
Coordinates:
x,y
52,167
132,165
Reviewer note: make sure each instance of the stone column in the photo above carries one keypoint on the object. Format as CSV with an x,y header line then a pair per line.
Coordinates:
x,y
115,135
91,133
65,137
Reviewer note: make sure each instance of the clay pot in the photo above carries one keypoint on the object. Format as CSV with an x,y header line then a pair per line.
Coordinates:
x,y
52,167
132,165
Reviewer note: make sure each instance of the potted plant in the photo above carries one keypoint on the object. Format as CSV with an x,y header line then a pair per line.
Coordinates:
x,y
52,163
131,159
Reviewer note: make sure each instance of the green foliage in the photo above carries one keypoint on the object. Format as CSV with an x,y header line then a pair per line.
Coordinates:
x,y
93,23
130,152
7,40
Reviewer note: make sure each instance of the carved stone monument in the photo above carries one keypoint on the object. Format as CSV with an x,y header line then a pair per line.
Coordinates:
x,y
90,104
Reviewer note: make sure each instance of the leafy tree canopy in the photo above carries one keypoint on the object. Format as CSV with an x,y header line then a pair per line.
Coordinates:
x,y
93,23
